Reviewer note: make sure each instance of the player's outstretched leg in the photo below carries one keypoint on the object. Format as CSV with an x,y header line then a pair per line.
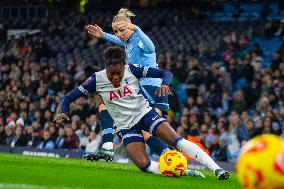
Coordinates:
x,y
195,151
161,147
166,132
106,152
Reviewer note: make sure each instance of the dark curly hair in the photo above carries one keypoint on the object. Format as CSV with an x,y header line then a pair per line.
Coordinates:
x,y
114,55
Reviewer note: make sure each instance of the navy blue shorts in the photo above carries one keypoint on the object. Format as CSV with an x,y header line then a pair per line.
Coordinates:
x,y
149,122
154,100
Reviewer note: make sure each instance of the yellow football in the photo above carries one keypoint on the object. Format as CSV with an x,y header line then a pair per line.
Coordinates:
x,y
172,163
261,163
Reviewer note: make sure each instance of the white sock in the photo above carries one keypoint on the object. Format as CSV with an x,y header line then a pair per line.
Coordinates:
x,y
154,168
197,153
108,146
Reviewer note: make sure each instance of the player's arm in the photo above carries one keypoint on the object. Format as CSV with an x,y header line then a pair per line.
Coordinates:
x,y
145,42
96,31
112,38
88,87
143,71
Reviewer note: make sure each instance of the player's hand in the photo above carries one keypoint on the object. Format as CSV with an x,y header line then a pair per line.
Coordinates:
x,y
95,30
122,25
61,117
163,90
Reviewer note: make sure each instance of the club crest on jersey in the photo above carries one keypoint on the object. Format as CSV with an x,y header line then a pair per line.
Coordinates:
x,y
119,93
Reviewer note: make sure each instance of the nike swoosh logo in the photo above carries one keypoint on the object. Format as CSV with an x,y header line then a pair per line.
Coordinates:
x,y
154,118
104,86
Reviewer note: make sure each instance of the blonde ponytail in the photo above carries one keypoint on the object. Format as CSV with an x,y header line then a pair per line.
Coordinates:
x,y
123,14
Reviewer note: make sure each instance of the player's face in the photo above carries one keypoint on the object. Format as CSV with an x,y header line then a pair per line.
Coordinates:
x,y
122,33
115,73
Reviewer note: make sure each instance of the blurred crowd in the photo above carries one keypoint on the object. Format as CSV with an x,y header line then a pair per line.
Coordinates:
x,y
232,100
30,94
230,97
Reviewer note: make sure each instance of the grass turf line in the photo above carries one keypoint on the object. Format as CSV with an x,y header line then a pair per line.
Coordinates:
x,y
74,173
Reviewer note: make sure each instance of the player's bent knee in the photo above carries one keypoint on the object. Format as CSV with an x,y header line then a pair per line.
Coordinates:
x,y
136,152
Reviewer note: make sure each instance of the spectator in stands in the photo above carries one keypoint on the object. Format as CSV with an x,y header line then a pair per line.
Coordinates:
x,y
47,143
94,140
84,137
71,141
267,125
222,153
60,139
52,131
277,60
9,131
2,133
75,126
251,128
239,104
92,122
276,129
32,137
19,139
256,59
222,130
207,120
233,142
242,132
215,146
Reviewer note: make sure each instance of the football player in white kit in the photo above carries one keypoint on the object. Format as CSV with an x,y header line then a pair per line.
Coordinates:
x,y
139,50
118,86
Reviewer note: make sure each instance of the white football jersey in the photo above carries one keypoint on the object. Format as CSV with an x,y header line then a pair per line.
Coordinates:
x,y
124,103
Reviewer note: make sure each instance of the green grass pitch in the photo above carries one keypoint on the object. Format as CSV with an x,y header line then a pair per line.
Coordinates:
x,y
17,171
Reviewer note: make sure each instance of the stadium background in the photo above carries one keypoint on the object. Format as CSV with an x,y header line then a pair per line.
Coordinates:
x,y
226,57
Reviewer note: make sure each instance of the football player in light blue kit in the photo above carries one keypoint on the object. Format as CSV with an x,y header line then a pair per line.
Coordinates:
x,y
118,86
140,50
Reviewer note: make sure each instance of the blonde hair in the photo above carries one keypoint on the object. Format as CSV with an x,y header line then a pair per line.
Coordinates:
x,y
123,14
